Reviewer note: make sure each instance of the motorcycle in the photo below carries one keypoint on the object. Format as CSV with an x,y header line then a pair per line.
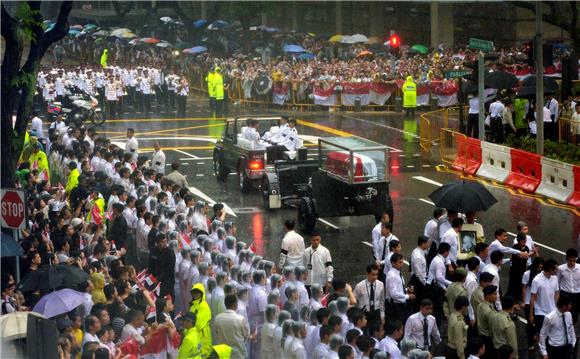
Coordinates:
x,y
80,108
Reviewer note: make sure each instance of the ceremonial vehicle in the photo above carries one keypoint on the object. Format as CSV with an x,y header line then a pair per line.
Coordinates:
x,y
349,177
233,152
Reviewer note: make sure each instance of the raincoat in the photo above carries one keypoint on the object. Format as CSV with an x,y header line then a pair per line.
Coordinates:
x,y
39,161
210,80
104,57
96,215
218,85
191,346
73,180
98,280
203,313
223,351
409,93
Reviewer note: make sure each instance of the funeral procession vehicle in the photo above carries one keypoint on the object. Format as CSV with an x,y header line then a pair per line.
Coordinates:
x,y
234,152
349,178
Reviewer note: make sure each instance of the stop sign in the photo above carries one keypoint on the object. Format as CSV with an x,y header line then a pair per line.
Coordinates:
x,y
12,208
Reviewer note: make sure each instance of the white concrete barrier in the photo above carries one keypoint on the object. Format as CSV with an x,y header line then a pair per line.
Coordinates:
x,y
496,162
557,180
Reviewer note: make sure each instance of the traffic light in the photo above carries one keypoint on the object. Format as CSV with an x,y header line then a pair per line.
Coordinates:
x,y
394,43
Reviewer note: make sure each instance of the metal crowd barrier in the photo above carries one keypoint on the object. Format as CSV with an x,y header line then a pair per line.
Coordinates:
x,y
569,130
448,145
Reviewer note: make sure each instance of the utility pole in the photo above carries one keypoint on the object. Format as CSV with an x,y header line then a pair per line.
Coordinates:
x,y
539,81
481,94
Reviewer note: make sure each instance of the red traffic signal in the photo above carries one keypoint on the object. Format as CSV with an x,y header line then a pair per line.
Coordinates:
x,y
394,41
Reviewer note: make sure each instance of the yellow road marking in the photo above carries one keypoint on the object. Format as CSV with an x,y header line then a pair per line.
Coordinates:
x,y
324,128
514,191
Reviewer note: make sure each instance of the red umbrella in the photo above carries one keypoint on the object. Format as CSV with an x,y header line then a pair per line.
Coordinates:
x,y
150,40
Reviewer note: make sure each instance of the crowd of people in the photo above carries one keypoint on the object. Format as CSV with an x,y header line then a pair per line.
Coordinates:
x,y
168,272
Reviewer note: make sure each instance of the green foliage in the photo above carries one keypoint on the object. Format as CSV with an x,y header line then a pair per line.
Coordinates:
x,y
576,90
24,79
27,18
559,151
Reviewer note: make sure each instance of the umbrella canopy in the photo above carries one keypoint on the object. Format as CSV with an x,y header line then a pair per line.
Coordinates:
x,y
463,196
199,23
529,92
262,84
101,33
550,85
78,26
72,31
15,325
195,50
163,44
348,40
420,49
364,53
166,19
305,56
150,40
59,302
500,80
336,38
89,27
373,40
9,247
293,48
52,277
219,24
356,38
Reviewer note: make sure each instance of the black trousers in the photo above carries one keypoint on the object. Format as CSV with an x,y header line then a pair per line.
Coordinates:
x,y
490,352
112,105
575,304
419,291
451,353
563,352
496,130
147,102
473,125
436,294
181,104
396,311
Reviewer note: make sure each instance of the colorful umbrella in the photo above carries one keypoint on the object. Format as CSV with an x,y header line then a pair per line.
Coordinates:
x,y
195,50
336,38
219,24
150,40
78,26
163,44
293,49
15,325
421,49
199,23
59,302
357,38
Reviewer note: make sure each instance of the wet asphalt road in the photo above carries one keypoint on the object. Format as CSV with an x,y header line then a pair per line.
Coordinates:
x,y
413,177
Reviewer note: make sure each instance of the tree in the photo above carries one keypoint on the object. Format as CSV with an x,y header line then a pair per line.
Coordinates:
x,y
122,8
23,29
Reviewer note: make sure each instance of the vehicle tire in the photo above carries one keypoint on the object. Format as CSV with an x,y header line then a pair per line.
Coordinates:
x,y
244,181
306,215
265,188
97,118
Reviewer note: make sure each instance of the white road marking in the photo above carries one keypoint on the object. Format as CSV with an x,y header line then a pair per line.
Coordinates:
x,y
188,138
201,163
199,175
410,166
426,166
187,154
328,223
426,201
427,180
541,245
210,201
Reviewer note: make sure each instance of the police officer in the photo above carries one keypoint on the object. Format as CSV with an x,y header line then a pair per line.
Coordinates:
x,y
503,328
454,291
409,96
191,346
210,88
457,329
485,314
218,92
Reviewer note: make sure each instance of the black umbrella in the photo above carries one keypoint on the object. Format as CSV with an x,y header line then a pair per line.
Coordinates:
x,y
500,80
550,85
9,247
463,196
262,84
52,277
529,92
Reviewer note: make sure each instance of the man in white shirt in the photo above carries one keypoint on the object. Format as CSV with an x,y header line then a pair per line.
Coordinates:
x,y
545,293
318,263
452,237
432,231
476,347
473,118
436,281
394,331
550,124
496,113
481,254
381,248
493,268
232,329
92,327
322,349
257,302
376,231
533,251
501,238
421,327
395,290
132,144
557,336
471,284
36,125
418,264
158,159
569,278
369,294
292,251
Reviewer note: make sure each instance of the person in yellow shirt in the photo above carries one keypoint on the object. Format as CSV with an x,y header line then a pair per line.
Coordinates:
x,y
201,309
190,347
38,161
73,177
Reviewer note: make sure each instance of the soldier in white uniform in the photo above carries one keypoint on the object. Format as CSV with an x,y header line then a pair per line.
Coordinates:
x,y
158,159
146,90
132,144
111,96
